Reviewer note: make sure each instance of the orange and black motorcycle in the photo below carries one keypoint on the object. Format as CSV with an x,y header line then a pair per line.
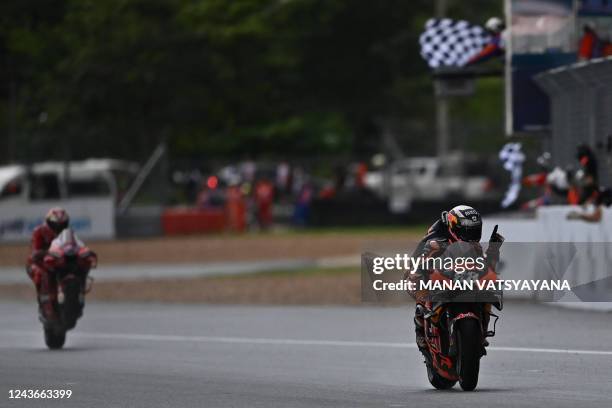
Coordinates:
x,y
456,322
456,335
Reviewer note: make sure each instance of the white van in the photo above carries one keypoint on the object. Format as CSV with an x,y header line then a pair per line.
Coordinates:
x,y
426,179
87,189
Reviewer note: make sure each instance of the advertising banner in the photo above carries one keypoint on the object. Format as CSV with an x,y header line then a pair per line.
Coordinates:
x,y
90,218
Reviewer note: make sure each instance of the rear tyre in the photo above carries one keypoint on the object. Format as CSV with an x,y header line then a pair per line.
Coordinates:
x,y
469,346
54,339
437,380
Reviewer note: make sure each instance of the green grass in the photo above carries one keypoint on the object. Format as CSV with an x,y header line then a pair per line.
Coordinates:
x,y
301,272
419,229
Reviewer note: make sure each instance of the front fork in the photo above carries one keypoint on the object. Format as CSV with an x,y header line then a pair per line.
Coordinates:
x,y
483,319
85,288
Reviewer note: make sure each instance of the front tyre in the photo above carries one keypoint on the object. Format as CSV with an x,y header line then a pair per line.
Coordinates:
x,y
55,339
469,346
72,307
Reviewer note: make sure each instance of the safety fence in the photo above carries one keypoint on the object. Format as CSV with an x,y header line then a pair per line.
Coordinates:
x,y
578,251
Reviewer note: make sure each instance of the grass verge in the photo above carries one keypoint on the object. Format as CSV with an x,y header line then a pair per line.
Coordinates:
x,y
307,286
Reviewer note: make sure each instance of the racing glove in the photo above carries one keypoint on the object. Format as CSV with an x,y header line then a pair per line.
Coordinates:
x,y
495,242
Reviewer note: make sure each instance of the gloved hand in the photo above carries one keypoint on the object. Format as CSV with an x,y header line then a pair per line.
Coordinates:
x,y
38,256
496,236
495,242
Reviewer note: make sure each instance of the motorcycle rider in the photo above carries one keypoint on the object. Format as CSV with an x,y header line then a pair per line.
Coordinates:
x,y
461,223
55,222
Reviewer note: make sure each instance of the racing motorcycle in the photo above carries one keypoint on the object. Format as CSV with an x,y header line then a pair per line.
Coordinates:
x,y
456,327
69,260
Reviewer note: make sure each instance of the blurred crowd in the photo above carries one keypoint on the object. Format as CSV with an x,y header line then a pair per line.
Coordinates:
x,y
575,184
253,192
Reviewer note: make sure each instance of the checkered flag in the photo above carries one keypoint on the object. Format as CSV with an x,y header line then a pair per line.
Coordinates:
x,y
451,43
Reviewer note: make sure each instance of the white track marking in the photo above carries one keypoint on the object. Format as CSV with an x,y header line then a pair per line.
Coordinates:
x,y
228,340
553,350
293,342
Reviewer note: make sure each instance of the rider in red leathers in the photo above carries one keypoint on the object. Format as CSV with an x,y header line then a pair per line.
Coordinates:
x,y
56,221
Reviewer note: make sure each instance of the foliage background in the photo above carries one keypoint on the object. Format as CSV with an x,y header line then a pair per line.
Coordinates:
x,y
218,78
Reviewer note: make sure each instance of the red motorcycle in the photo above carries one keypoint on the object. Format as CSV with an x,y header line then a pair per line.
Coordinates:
x,y
69,261
456,327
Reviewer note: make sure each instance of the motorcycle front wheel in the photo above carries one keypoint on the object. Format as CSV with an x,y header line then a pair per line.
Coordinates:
x,y
71,307
55,339
469,346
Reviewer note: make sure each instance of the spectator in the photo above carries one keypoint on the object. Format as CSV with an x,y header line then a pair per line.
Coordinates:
x,y
587,181
495,28
236,208
301,212
591,45
554,183
360,175
211,195
596,202
587,177
283,172
298,180
264,197
248,168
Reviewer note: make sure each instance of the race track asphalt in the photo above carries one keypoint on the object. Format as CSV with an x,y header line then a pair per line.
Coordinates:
x,y
153,355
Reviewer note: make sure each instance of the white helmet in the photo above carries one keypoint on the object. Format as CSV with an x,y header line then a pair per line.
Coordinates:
x,y
494,24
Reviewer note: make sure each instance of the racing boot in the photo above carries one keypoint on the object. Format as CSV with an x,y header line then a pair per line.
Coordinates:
x,y
419,329
47,296
46,310
485,324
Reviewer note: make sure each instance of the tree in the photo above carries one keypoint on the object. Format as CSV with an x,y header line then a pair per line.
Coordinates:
x,y
212,77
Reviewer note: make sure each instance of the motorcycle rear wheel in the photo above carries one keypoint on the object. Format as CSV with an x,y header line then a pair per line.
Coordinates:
x,y
469,346
55,339
438,382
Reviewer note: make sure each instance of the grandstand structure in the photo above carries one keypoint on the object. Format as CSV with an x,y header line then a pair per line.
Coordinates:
x,y
553,88
581,111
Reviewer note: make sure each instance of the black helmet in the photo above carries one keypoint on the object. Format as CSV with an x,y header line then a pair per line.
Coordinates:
x,y
464,223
